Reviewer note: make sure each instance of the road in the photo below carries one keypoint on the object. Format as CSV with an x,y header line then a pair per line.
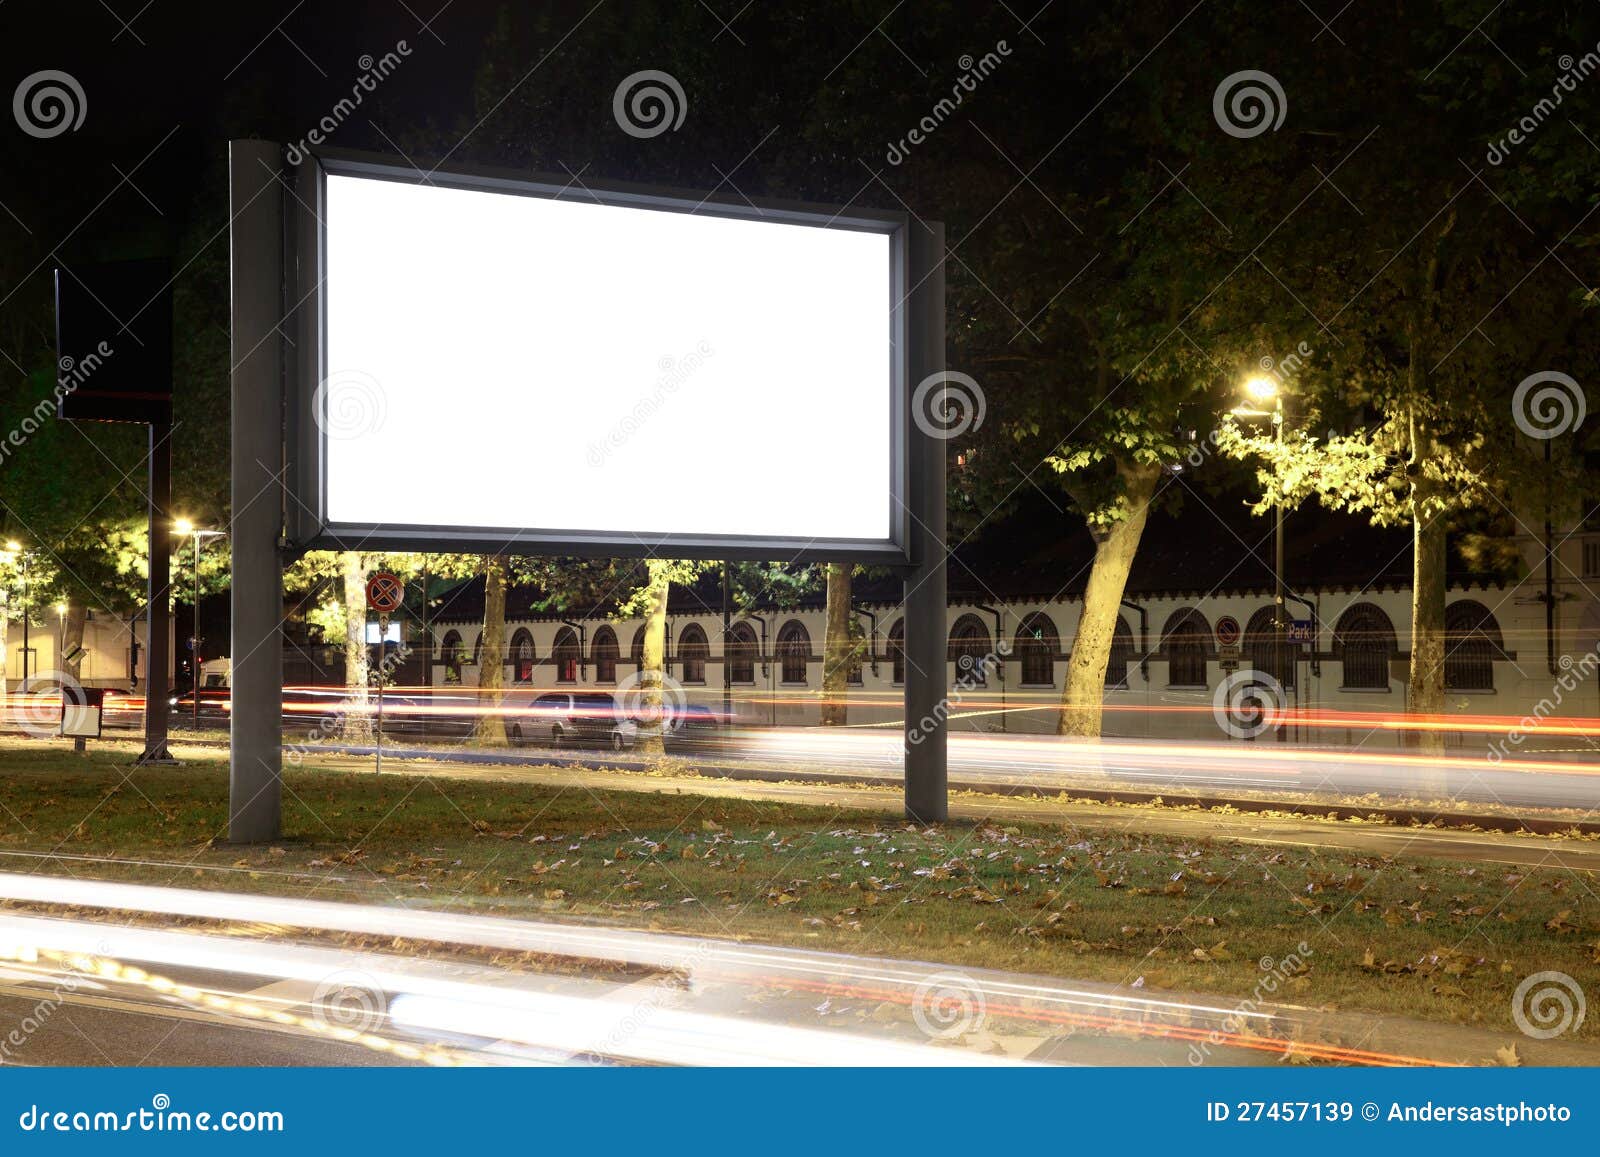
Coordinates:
x,y
261,980
1050,765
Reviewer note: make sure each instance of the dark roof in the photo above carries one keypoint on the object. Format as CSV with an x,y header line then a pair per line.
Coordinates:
x,y
1043,553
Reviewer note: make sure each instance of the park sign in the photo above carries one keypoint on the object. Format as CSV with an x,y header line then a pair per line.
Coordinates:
x,y
492,361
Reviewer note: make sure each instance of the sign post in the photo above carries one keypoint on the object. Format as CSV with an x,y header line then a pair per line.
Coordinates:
x,y
385,592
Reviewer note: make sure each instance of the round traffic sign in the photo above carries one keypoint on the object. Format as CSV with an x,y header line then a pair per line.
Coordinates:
x,y
1228,631
385,592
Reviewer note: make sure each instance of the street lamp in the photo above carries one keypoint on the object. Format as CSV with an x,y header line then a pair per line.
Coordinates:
x,y
1262,389
15,547
185,527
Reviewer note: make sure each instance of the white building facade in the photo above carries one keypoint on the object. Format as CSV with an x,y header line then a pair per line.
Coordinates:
x,y
1512,652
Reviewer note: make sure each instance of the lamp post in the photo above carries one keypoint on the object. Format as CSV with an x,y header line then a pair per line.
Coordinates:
x,y
1263,389
184,527
16,548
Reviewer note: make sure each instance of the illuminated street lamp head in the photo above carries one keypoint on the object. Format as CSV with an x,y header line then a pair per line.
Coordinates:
x,y
183,526
1261,387
13,545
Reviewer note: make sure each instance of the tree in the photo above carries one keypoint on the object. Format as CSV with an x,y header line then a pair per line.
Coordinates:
x,y
842,645
490,727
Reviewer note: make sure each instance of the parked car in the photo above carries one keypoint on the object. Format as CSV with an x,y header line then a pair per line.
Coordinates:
x,y
213,705
692,725
579,718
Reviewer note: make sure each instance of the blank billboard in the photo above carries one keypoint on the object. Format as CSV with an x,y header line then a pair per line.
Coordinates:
x,y
634,372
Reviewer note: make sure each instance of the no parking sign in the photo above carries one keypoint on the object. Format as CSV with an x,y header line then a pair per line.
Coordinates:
x,y
1228,632
385,592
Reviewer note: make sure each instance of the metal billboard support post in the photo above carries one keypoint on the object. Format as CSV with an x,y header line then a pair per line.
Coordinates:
x,y
256,245
927,768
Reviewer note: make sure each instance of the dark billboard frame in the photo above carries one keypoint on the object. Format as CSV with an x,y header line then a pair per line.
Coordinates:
x,y
277,325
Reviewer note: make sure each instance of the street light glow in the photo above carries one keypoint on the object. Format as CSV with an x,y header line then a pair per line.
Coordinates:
x,y
183,526
13,545
1261,387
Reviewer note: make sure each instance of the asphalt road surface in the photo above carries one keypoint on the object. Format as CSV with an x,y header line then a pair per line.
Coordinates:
x,y
267,981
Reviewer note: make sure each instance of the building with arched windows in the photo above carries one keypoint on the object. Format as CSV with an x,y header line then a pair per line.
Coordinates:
x,y
1007,654
1509,652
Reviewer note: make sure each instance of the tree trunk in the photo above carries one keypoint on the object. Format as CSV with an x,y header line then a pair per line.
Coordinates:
x,y
838,647
1115,547
491,727
1427,627
1428,561
71,637
353,570
652,666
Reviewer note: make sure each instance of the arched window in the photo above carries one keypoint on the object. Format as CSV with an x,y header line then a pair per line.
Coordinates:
x,y
604,652
1261,648
1185,640
971,651
897,651
693,650
452,654
794,650
1363,642
1037,647
636,652
1121,655
739,653
1472,643
565,653
522,656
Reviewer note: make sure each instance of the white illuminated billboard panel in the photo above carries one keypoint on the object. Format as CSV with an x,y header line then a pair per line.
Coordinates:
x,y
499,361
